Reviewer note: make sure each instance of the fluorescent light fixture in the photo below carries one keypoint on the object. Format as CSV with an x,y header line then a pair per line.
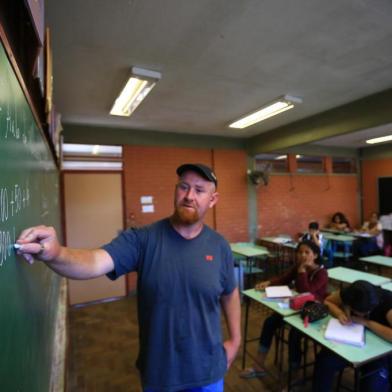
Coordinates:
x,y
91,165
280,157
71,149
138,86
379,139
272,109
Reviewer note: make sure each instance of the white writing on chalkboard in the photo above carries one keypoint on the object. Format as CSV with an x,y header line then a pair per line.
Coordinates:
x,y
13,200
6,245
17,128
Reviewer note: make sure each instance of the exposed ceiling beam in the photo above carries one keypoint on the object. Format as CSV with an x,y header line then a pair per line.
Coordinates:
x,y
364,113
77,133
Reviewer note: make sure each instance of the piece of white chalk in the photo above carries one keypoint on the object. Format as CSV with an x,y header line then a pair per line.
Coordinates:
x,y
17,246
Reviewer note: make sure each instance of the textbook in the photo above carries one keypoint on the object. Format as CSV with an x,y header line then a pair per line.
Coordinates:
x,y
353,333
278,291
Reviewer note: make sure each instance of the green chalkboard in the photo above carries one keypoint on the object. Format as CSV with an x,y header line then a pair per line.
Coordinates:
x,y
29,195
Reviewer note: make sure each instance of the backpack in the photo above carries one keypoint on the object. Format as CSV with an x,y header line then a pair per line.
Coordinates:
x,y
314,311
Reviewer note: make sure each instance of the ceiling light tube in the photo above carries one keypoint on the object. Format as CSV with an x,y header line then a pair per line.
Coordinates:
x,y
379,139
272,109
95,150
136,89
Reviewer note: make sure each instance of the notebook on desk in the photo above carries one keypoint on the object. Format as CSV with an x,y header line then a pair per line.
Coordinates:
x,y
353,334
278,292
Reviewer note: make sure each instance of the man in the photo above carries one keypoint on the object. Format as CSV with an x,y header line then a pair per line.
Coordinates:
x,y
185,275
371,306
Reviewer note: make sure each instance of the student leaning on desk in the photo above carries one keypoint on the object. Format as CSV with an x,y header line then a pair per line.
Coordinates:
x,y
372,240
365,304
309,276
185,277
339,222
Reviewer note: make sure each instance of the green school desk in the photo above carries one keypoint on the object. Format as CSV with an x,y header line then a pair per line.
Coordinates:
x,y
348,275
335,239
250,252
333,231
339,237
379,261
283,247
374,348
273,304
387,286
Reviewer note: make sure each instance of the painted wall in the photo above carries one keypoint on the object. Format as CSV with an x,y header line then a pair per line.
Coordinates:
x,y
371,171
289,202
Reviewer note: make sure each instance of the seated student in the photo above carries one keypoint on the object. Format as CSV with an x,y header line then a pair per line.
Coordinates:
x,y
373,244
308,276
339,222
315,236
371,306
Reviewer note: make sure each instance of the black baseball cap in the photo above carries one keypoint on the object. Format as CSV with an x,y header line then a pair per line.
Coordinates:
x,y
199,168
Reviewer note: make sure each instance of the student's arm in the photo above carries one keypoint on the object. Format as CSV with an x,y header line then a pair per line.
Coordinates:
x,y
41,242
376,230
384,331
262,285
315,238
232,310
335,306
284,279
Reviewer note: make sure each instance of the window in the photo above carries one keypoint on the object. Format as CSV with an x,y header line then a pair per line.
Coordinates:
x,y
91,157
309,164
344,165
275,162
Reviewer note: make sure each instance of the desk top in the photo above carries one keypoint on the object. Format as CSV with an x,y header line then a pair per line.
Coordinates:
x,y
248,249
380,260
361,234
277,240
387,286
271,303
339,237
375,346
334,231
348,275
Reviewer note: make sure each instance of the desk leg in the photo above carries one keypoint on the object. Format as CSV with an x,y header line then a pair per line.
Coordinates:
x,y
245,330
356,379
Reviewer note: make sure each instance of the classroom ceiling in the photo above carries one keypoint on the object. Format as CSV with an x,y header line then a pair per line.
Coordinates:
x,y
219,59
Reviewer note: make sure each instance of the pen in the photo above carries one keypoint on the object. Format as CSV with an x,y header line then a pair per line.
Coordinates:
x,y
306,321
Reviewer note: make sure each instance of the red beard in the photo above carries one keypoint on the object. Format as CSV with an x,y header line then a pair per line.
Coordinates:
x,y
185,216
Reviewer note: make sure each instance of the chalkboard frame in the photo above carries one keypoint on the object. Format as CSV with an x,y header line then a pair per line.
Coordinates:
x,y
56,348
12,60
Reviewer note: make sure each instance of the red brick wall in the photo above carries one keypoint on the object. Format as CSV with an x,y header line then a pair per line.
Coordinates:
x,y
371,170
289,203
232,208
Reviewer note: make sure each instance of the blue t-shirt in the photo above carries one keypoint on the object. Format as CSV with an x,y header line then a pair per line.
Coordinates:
x,y
180,283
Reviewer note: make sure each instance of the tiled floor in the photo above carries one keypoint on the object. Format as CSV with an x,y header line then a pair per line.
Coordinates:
x,y
104,344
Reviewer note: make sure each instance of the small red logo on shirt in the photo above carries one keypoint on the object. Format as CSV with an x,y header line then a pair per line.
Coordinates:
x,y
209,257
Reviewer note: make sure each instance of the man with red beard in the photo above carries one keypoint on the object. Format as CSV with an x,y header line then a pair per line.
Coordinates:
x,y
185,277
